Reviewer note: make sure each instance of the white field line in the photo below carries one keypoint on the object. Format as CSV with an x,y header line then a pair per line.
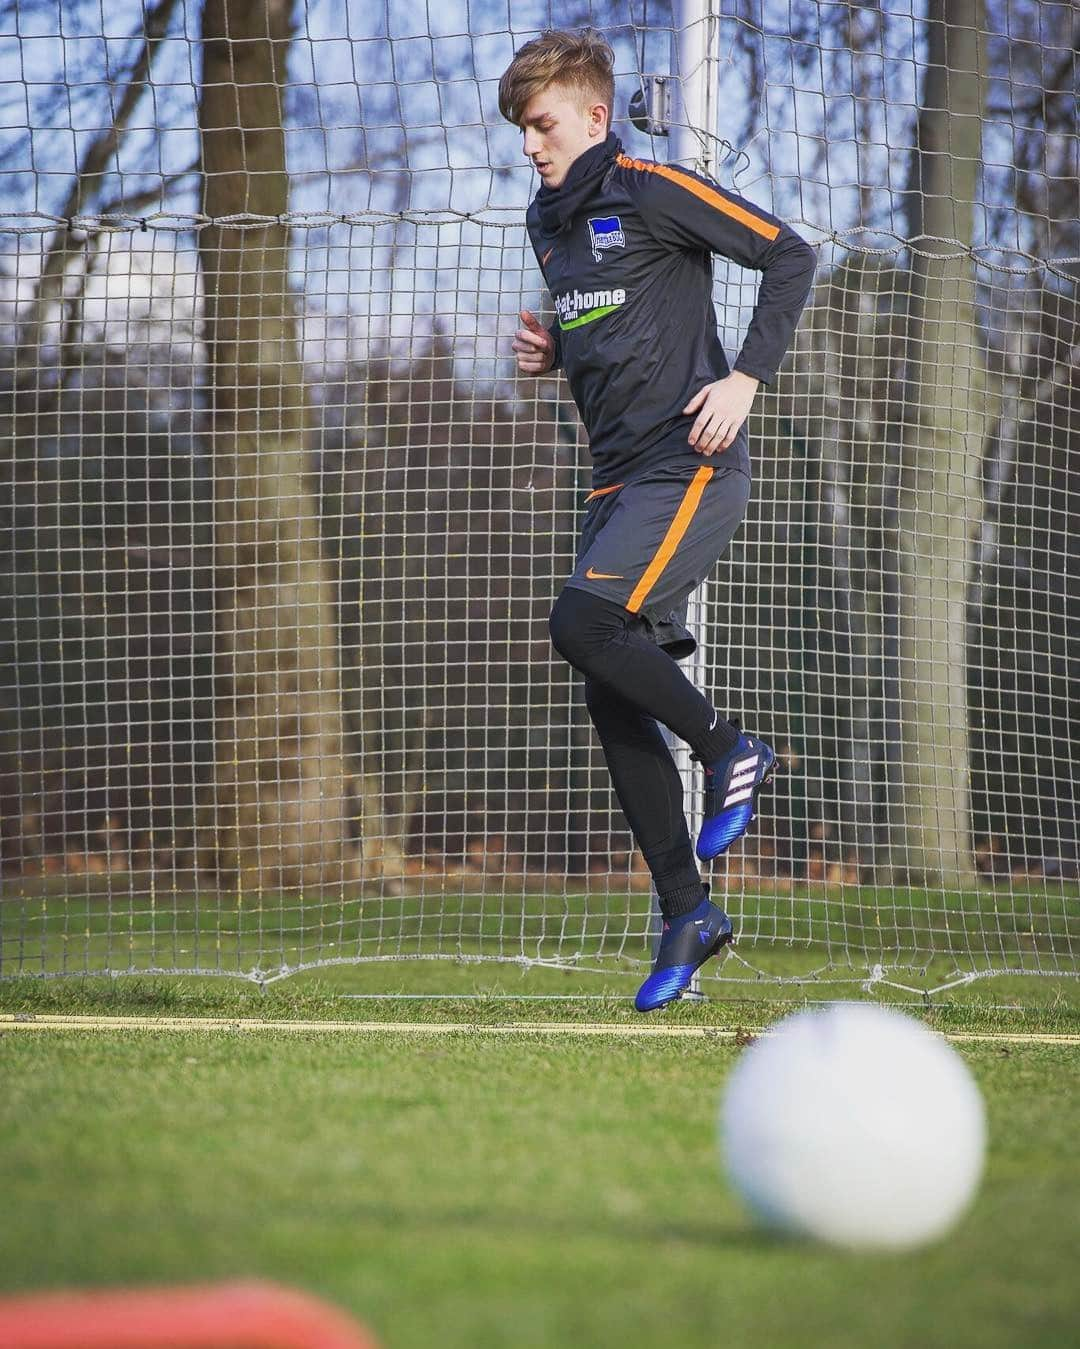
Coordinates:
x,y
33,1021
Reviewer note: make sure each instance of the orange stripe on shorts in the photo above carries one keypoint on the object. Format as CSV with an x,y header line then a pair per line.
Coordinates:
x,y
602,491
678,527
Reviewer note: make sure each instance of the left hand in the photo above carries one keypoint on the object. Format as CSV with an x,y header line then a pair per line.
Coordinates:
x,y
722,407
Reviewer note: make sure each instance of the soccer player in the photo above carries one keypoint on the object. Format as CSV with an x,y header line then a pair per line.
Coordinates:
x,y
625,248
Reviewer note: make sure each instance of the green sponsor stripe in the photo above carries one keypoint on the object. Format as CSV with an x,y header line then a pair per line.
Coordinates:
x,y
588,318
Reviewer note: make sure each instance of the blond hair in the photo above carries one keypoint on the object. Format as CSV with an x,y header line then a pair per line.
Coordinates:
x,y
582,62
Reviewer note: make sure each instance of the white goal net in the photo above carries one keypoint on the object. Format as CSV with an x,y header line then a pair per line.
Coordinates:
x,y
280,526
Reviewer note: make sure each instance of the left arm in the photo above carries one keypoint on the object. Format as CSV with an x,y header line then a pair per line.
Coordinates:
x,y
685,211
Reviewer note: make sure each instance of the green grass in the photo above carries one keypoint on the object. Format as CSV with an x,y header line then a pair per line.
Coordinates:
x,y
483,1191
812,935
468,1191
817,945
478,994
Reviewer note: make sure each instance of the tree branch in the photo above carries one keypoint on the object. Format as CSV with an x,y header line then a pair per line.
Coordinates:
x,y
90,171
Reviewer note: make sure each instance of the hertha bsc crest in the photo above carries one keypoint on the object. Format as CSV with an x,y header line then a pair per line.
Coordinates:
x,y
606,233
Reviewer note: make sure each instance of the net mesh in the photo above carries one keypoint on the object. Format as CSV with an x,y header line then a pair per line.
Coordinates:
x,y
280,526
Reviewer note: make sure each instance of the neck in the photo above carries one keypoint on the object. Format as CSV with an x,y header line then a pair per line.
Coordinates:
x,y
558,205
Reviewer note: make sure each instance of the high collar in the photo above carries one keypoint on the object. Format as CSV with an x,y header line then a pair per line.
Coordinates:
x,y
558,205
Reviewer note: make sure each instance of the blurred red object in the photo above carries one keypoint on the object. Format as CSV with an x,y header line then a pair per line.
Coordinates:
x,y
248,1315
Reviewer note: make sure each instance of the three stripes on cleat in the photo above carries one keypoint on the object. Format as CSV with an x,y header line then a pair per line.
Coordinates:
x,y
743,775
740,778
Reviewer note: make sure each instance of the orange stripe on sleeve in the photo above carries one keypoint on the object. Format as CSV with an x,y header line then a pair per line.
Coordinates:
x,y
705,193
602,491
678,527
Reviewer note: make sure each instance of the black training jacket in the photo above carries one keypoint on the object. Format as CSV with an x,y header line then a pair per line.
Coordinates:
x,y
625,246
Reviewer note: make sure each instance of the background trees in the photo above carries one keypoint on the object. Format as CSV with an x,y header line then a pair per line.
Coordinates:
x,y
280,808
277,547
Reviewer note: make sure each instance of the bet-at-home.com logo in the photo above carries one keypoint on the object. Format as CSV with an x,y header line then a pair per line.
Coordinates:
x,y
575,308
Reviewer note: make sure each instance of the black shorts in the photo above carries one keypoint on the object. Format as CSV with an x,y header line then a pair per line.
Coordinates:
x,y
649,543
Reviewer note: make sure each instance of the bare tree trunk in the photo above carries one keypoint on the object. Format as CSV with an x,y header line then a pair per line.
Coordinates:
x,y
940,494
281,810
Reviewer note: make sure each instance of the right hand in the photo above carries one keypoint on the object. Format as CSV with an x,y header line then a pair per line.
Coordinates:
x,y
534,345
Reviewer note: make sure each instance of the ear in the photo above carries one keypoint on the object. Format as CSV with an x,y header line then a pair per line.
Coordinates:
x,y
598,119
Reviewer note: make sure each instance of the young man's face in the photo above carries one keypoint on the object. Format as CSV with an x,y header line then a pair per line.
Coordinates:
x,y
558,129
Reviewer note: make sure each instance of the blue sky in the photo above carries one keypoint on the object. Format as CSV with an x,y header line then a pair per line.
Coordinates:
x,y
377,89
391,109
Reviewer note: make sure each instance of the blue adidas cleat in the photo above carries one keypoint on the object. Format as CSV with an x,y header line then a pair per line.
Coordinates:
x,y
685,945
731,792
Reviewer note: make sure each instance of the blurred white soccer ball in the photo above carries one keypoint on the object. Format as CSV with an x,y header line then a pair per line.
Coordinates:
x,y
856,1126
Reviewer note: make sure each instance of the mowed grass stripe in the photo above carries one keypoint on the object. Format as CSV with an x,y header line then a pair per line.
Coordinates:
x,y
488,1191
34,1021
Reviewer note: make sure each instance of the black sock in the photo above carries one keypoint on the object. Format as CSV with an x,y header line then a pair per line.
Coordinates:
x,y
717,742
681,902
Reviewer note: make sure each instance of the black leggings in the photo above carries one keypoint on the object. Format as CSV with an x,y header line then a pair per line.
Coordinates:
x,y
650,792
630,686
